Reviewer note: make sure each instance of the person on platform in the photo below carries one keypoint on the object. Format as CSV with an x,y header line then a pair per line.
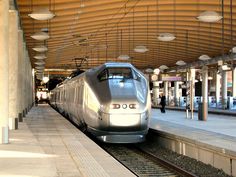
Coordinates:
x,y
163,103
36,101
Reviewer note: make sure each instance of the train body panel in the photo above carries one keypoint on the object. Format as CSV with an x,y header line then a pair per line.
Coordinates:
x,y
112,101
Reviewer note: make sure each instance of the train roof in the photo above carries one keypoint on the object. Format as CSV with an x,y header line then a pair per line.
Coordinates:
x,y
97,69
115,64
108,64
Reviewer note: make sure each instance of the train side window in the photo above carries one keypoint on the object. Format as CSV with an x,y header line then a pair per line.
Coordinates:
x,y
103,75
136,76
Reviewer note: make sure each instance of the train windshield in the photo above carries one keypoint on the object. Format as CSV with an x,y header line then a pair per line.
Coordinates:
x,y
117,73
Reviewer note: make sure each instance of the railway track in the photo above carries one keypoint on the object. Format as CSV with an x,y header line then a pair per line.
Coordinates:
x,y
142,163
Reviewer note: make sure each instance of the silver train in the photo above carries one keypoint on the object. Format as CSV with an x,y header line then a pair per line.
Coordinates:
x,y
111,101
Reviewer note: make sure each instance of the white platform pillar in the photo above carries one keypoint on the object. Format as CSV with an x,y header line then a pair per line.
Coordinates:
x,y
24,79
192,89
4,59
205,92
234,82
224,89
13,67
217,86
176,93
166,91
155,91
20,75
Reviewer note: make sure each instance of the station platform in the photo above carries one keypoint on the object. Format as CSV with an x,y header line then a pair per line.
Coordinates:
x,y
48,145
210,110
212,141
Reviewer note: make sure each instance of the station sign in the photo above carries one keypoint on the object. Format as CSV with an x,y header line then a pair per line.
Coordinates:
x,y
171,78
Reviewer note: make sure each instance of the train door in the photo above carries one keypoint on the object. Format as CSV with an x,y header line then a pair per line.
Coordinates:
x,y
76,99
72,100
81,102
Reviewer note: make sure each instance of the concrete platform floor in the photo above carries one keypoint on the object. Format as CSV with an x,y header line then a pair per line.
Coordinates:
x,y
218,131
47,145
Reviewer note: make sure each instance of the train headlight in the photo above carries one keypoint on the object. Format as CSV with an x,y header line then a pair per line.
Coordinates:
x,y
144,115
115,106
133,106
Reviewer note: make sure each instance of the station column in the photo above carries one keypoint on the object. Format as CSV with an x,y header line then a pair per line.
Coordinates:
x,y
20,75
155,93
217,86
176,93
234,82
192,89
205,92
24,79
4,59
224,89
13,67
166,91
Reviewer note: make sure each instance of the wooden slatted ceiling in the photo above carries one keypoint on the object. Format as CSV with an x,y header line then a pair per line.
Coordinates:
x,y
122,24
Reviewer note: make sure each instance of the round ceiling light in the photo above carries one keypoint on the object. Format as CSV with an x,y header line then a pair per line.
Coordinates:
x,y
42,14
209,16
180,63
41,36
123,57
166,37
141,49
204,57
40,57
40,48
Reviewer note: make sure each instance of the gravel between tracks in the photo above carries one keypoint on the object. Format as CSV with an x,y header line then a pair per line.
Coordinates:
x,y
187,163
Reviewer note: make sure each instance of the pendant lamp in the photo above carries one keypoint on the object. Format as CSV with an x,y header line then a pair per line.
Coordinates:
x,y
40,56
39,63
180,63
42,14
166,37
140,49
163,67
209,16
41,36
204,57
40,48
123,57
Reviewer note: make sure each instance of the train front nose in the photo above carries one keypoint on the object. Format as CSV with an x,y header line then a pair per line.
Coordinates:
x,y
126,116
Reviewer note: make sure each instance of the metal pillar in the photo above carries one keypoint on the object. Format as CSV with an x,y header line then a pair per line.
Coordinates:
x,y
205,93
224,89
4,59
